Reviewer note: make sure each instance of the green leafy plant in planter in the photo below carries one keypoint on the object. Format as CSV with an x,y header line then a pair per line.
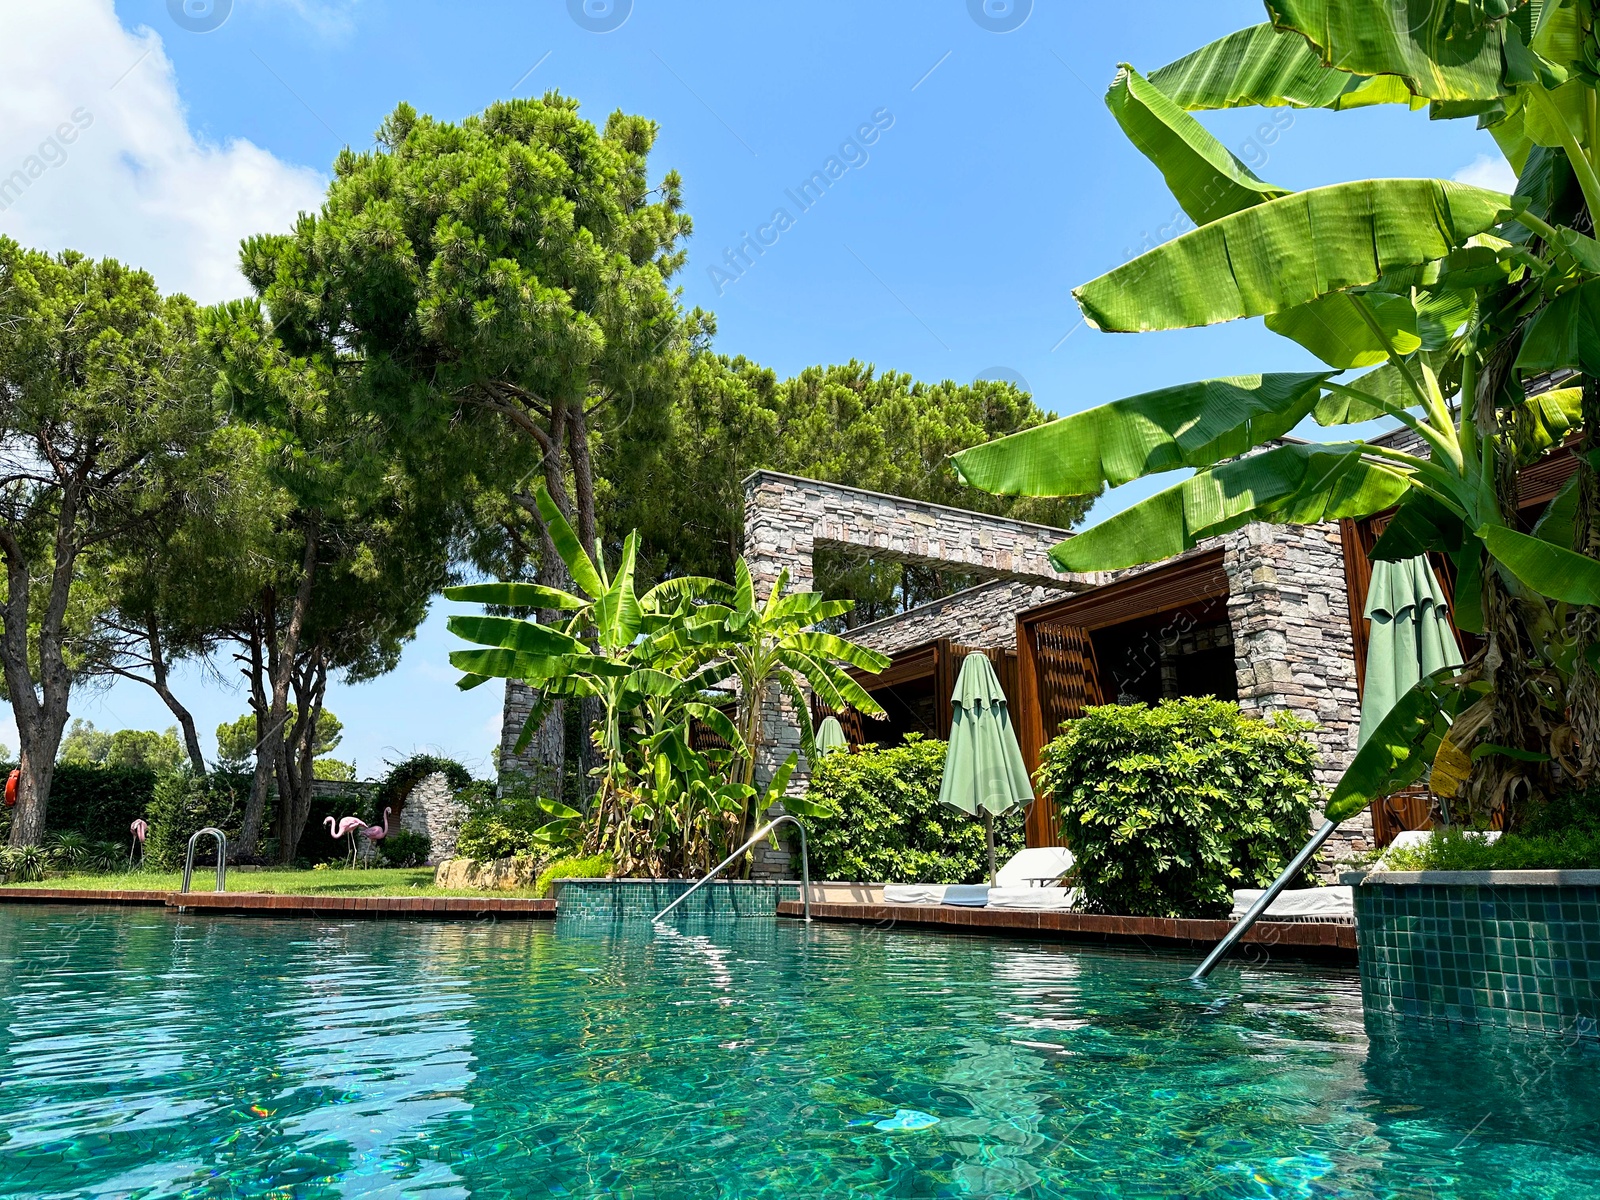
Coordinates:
x,y
875,817
1561,835
592,866
1168,809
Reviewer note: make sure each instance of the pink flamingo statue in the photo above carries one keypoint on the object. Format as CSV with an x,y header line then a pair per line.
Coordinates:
x,y
376,833
139,830
347,828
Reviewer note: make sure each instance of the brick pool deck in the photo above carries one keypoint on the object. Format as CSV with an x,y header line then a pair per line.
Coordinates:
x,y
1294,939
272,904
1299,939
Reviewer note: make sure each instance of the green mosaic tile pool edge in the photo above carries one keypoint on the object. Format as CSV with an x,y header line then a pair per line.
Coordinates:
x,y
1516,955
642,899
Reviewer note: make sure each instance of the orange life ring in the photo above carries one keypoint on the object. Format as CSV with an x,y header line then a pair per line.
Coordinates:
x,y
11,787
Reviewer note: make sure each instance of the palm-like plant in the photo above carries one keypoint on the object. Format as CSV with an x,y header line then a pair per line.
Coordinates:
x,y
771,646
1448,291
612,644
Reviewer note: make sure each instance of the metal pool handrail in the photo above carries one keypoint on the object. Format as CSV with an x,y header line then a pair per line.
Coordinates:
x,y
805,865
1296,865
222,857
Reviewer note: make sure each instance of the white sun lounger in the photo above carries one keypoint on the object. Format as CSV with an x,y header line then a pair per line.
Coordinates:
x,y
1024,871
1300,904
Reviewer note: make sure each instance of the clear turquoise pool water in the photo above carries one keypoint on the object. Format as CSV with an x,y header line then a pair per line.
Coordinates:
x,y
145,1055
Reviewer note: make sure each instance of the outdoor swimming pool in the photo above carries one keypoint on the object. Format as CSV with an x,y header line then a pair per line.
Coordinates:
x,y
147,1054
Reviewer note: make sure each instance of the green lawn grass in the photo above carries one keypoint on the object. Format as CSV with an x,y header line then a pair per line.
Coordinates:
x,y
374,881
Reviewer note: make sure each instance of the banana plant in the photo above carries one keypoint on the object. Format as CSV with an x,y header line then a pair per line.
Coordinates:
x,y
772,645
608,646
1442,294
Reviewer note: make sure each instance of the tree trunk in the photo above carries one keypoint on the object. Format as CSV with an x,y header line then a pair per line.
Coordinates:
x,y
40,709
1498,783
296,773
280,659
1583,694
158,680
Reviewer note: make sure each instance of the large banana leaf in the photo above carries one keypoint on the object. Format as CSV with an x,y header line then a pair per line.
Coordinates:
x,y
1191,425
516,595
1380,392
1400,749
1261,66
1334,330
526,637
1294,484
579,565
1566,333
1207,179
1290,251
617,612
1420,525
827,645
1545,567
1413,39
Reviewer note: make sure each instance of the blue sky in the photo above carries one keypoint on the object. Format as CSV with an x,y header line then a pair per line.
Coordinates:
x,y
997,182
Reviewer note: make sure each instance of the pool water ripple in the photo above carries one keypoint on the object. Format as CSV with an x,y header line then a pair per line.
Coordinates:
x,y
152,1055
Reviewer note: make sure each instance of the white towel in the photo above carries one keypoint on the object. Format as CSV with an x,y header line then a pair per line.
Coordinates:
x,y
1052,899
967,895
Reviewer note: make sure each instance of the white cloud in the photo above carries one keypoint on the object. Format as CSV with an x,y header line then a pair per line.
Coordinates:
x,y
1489,171
91,119
333,20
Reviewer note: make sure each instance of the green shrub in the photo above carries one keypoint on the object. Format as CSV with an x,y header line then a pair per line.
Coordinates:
x,y
596,866
889,826
507,826
403,848
1168,809
184,802
23,864
1576,848
99,802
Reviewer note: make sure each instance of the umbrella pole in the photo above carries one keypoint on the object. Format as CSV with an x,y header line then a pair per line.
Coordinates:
x,y
988,836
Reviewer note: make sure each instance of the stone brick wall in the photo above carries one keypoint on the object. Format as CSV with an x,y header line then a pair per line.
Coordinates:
x,y
431,809
983,616
786,517
1288,606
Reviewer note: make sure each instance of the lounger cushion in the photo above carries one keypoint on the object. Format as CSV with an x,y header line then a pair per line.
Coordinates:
x,y
1053,899
913,893
967,895
1027,867
1328,903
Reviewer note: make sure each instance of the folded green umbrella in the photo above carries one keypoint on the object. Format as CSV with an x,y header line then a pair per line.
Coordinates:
x,y
830,737
983,769
1411,636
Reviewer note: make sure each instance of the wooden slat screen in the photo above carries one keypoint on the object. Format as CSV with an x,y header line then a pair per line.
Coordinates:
x,y
1069,678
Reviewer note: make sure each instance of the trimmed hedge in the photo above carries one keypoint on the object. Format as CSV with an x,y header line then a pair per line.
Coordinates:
x,y
889,826
98,802
1168,809
184,802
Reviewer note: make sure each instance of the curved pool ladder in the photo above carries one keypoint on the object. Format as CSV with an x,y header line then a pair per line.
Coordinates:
x,y
222,856
805,865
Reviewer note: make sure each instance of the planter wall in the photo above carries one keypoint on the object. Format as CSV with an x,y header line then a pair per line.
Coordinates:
x,y
1508,949
642,899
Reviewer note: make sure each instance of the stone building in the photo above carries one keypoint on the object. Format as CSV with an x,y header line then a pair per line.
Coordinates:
x,y
1267,615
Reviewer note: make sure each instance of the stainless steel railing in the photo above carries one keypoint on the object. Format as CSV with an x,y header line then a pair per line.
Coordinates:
x,y
222,857
1264,901
805,865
